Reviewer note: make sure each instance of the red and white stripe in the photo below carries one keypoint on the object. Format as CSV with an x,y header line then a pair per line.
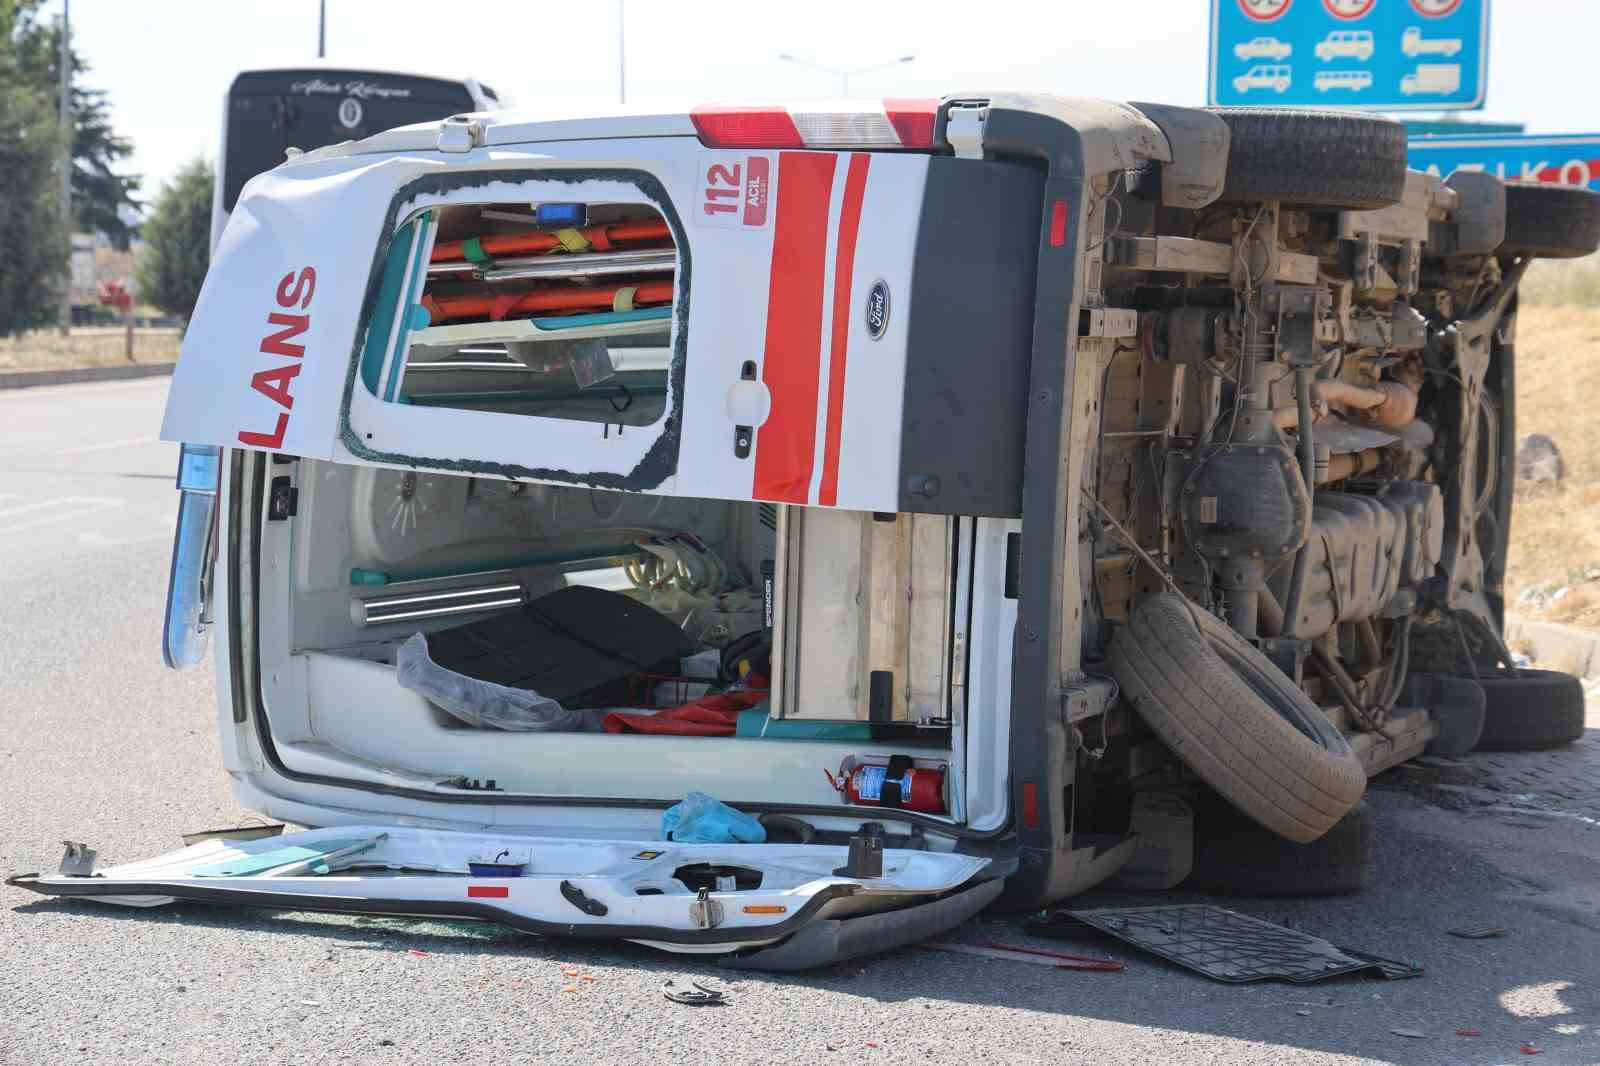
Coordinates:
x,y
841,220
877,124
797,294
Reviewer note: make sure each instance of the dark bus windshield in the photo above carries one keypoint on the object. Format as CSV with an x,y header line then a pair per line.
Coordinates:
x,y
272,110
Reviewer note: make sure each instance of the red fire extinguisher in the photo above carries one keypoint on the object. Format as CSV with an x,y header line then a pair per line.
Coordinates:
x,y
891,781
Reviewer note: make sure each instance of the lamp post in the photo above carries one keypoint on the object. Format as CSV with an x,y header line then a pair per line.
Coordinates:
x,y
66,162
844,74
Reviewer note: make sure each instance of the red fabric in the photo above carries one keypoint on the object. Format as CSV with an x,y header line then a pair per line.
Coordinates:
x,y
502,306
708,716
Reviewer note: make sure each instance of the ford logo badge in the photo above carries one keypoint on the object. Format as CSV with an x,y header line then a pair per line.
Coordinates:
x,y
878,309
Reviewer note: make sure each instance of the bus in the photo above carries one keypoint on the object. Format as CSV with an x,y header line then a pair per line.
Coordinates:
x,y
267,112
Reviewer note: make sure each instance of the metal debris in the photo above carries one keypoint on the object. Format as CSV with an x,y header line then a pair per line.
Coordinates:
x,y
1477,932
78,861
1057,960
698,996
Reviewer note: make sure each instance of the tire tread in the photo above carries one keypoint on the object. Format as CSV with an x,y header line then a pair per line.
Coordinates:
x,y
1552,221
1538,710
1313,157
1223,729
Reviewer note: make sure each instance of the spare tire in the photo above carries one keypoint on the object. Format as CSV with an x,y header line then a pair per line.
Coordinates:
x,y
1235,857
1554,221
1313,158
1535,710
1235,719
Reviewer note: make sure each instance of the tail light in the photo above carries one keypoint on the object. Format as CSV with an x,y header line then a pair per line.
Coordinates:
x,y
890,124
194,546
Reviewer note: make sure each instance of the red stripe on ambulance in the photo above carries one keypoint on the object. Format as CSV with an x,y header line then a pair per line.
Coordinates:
x,y
855,188
786,443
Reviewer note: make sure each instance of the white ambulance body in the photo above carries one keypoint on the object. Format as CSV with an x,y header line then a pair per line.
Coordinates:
x,y
821,366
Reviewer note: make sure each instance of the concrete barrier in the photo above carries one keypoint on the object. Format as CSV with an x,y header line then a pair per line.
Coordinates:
x,y
1563,647
24,379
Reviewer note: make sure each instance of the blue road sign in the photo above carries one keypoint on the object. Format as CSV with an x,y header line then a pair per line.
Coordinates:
x,y
1383,55
1565,159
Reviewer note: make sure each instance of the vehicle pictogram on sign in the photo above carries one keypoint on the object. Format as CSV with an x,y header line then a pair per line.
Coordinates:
x,y
1414,44
1346,44
1348,9
1264,10
1435,9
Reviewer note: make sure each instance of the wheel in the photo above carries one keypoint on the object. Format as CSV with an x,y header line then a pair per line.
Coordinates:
x,y
1235,719
1315,158
1555,221
1235,857
1536,710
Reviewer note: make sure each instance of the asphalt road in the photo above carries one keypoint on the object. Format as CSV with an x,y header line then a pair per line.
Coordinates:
x,y
99,743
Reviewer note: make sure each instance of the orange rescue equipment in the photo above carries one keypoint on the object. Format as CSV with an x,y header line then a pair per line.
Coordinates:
x,y
600,238
573,298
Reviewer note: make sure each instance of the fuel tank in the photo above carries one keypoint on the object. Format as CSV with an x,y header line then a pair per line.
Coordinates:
x,y
1365,545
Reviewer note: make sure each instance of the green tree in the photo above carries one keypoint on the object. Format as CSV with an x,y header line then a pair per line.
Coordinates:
x,y
33,247
177,241
99,193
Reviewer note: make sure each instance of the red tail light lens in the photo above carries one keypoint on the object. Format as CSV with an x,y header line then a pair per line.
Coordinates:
x,y
839,124
913,121
746,127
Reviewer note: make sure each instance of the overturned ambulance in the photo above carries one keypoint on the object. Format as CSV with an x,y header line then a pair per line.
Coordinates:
x,y
969,491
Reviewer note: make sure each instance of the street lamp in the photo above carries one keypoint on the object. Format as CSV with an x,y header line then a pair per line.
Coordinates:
x,y
844,74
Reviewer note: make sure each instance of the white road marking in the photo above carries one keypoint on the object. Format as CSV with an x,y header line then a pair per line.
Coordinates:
x,y
92,539
40,392
105,446
78,507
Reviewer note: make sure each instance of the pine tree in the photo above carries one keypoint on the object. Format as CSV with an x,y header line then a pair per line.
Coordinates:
x,y
34,264
177,241
99,193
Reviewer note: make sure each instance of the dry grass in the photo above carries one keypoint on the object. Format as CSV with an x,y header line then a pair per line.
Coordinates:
x,y
1563,282
86,346
1555,528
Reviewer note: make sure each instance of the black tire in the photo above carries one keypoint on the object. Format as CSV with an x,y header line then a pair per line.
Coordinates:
x,y
1536,710
1235,857
1313,158
1553,221
1235,719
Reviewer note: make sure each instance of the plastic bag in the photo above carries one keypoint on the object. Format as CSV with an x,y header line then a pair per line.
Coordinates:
x,y
700,819
482,703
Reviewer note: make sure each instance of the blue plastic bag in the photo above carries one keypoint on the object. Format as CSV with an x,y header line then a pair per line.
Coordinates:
x,y
700,819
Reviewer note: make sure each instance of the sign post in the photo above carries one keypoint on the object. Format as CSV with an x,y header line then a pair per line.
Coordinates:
x,y
1381,55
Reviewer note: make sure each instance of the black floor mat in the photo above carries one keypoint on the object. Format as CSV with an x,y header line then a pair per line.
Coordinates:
x,y
1228,946
578,645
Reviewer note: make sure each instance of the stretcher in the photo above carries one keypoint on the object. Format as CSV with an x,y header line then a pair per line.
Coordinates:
x,y
575,298
600,238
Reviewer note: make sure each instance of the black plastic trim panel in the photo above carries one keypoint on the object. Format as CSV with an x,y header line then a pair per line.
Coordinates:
x,y
969,338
